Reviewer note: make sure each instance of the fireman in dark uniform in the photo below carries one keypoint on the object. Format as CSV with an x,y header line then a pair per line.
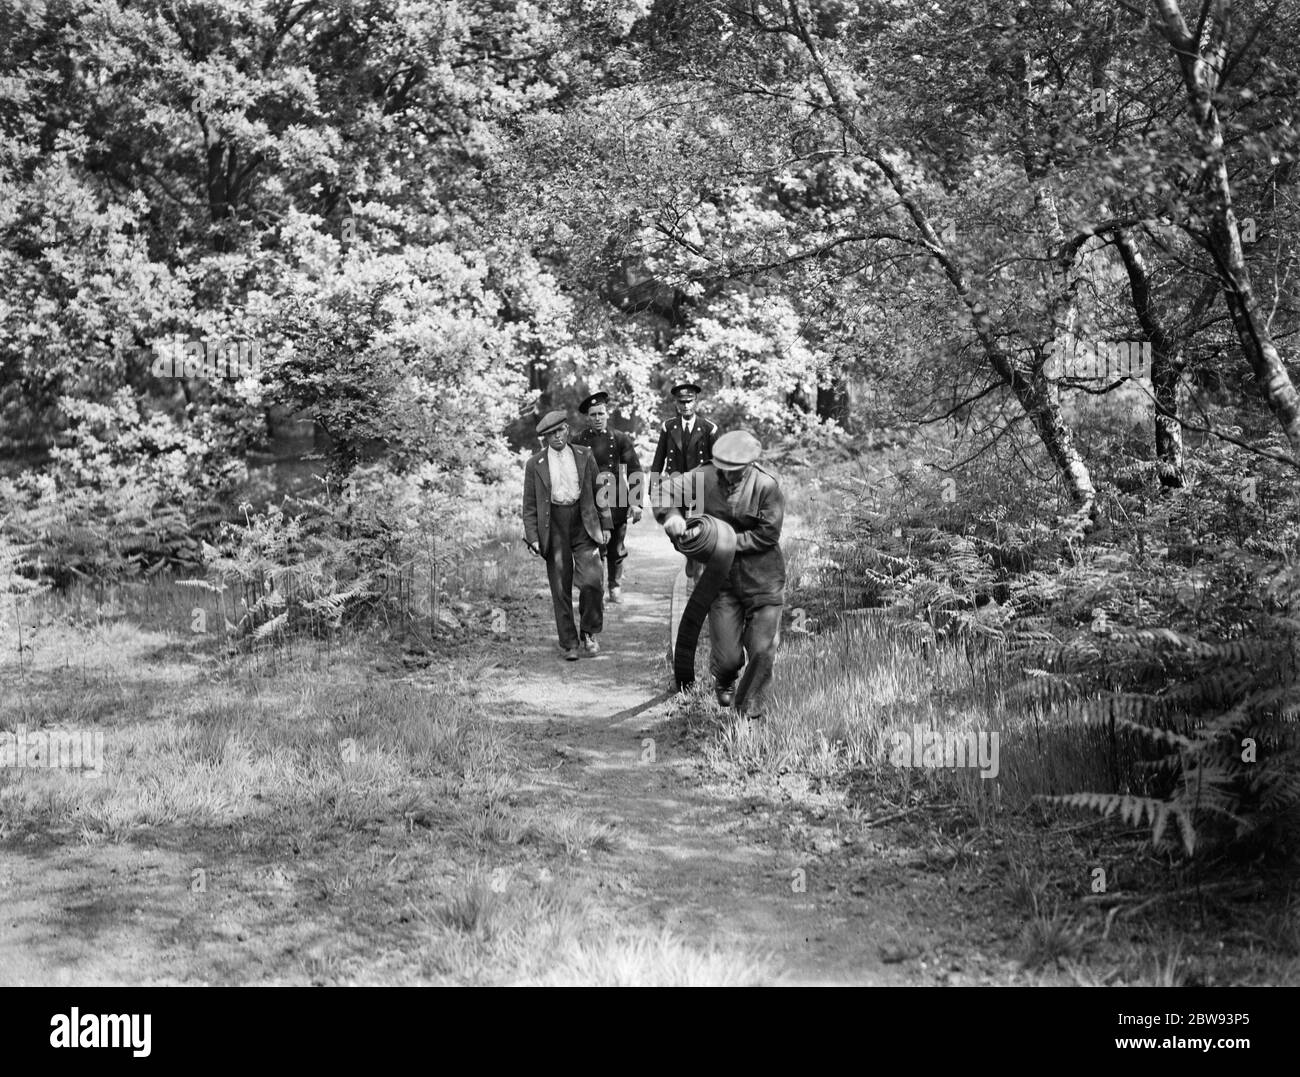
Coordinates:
x,y
616,457
685,443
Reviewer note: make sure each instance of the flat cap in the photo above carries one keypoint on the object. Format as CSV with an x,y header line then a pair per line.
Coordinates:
x,y
589,402
550,421
736,448
686,384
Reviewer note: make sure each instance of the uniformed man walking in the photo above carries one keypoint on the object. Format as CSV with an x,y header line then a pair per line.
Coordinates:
x,y
745,617
616,457
565,523
685,441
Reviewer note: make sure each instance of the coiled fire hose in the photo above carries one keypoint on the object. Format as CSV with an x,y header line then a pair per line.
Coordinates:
x,y
712,543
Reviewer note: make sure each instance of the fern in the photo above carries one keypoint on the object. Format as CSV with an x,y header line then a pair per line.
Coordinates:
x,y
1221,719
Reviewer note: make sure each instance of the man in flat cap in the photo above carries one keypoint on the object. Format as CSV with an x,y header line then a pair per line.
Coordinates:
x,y
745,618
565,523
616,457
685,441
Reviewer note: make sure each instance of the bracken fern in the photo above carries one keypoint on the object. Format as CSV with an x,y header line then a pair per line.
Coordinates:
x,y
1216,720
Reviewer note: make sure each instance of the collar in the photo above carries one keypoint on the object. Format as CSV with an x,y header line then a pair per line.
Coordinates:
x,y
729,486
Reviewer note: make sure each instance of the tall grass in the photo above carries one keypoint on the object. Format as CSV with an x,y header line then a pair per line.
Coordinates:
x,y
847,680
336,748
399,794
838,696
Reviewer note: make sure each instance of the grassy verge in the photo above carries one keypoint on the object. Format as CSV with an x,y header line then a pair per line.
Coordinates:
x,y
289,816
1084,896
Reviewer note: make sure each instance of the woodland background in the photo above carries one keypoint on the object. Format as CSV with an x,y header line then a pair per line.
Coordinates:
x,y
870,229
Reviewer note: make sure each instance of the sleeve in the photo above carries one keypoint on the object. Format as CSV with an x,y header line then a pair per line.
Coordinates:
x,y
530,504
628,456
764,531
670,496
592,474
661,451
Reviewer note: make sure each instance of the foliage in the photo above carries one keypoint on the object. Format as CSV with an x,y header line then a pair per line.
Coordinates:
x,y
1218,717
435,218
377,545
127,494
397,356
1171,632
284,580
312,179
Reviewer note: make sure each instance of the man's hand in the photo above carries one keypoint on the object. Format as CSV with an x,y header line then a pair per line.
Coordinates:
x,y
534,547
604,538
674,526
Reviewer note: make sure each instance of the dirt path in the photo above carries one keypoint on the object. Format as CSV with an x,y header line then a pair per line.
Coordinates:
x,y
708,864
759,874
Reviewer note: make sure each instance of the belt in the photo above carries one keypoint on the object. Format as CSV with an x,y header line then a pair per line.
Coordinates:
x,y
565,504
712,542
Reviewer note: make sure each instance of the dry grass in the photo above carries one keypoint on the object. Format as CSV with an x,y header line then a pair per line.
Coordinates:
x,y
575,835
241,755
842,688
656,961
210,754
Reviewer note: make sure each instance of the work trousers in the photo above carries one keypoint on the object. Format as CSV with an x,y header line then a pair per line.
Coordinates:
x,y
572,551
741,632
616,551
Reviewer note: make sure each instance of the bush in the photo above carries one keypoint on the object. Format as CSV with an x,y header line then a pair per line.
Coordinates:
x,y
1171,633
127,493
1217,719
378,544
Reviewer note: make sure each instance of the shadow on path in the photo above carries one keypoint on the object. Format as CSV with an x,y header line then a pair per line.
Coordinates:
x,y
688,855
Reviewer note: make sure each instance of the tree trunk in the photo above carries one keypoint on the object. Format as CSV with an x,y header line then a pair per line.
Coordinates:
x,y
1200,77
1166,360
1169,432
1253,332
832,402
218,196
1035,393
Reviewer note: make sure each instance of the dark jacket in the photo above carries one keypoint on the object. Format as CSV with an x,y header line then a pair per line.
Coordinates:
x,y
616,457
537,498
755,508
672,456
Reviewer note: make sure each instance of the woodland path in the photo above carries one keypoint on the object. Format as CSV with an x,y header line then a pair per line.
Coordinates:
x,y
703,858
696,857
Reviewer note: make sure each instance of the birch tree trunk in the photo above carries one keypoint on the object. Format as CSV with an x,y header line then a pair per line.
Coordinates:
x,y
1168,348
1201,63
1036,394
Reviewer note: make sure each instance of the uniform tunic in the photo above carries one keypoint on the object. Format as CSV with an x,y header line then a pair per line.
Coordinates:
x,y
615,456
612,449
674,454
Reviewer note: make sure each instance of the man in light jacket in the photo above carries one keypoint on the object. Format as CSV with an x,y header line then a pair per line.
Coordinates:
x,y
564,523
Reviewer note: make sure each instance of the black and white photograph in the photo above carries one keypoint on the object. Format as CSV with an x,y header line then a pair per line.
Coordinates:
x,y
651,493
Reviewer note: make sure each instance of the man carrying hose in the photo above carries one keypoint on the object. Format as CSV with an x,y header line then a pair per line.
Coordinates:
x,y
741,506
